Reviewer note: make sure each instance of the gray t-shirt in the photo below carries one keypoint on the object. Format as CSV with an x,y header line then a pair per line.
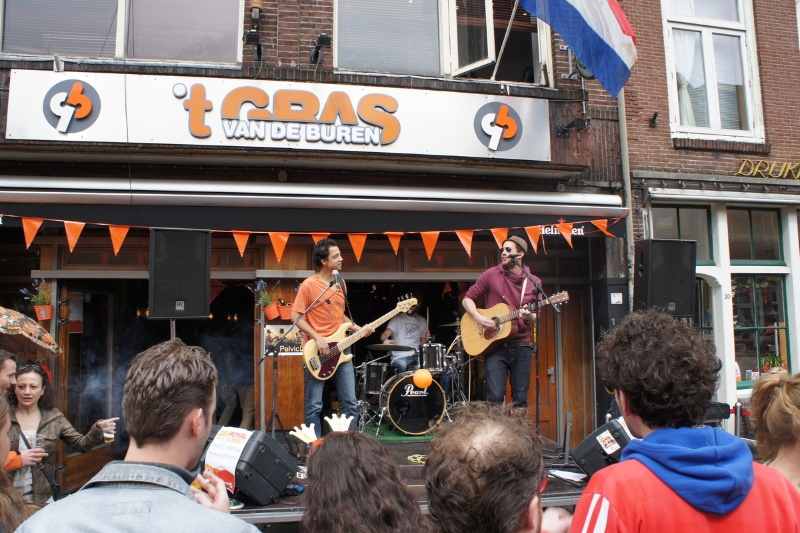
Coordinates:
x,y
406,331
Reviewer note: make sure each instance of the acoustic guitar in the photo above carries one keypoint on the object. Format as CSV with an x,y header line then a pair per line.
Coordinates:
x,y
479,341
323,366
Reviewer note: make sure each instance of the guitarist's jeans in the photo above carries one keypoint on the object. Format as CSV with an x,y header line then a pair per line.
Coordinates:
x,y
502,362
344,380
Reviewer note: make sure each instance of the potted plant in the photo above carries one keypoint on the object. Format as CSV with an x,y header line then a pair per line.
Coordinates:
x,y
40,298
261,293
771,361
285,310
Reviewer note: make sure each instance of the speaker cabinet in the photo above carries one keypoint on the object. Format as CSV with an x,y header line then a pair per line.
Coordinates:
x,y
665,276
180,273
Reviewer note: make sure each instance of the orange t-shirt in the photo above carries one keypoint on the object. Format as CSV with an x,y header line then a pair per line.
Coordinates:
x,y
328,312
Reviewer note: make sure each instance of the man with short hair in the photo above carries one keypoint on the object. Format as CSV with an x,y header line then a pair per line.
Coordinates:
x,y
406,329
167,404
507,283
485,474
323,320
681,475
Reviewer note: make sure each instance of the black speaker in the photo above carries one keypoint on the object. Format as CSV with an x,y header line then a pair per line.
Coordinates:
x,y
665,276
602,448
180,273
263,471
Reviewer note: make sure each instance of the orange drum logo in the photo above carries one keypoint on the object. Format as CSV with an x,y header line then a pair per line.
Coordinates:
x,y
71,106
498,126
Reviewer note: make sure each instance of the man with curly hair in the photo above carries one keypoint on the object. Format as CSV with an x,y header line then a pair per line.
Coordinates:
x,y
681,475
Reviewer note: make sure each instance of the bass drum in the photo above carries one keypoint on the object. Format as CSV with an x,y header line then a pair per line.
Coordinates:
x,y
412,410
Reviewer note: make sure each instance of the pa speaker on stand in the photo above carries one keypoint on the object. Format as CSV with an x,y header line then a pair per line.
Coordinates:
x,y
664,276
180,273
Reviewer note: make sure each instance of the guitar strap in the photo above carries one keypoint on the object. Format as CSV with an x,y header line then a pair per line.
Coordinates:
x,y
522,295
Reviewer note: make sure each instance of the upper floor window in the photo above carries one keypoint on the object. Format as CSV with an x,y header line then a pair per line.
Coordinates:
x,y
438,38
686,223
207,31
711,65
754,235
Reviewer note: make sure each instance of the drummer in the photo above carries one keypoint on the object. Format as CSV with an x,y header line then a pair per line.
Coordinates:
x,y
406,329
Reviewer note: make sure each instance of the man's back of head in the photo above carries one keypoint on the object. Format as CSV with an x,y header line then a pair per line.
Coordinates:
x,y
666,369
164,383
484,470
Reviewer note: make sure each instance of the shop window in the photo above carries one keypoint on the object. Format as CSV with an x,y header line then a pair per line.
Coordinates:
x,y
436,38
754,235
759,315
687,223
710,57
205,31
703,317
451,260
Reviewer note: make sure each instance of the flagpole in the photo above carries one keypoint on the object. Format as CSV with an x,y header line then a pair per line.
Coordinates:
x,y
505,38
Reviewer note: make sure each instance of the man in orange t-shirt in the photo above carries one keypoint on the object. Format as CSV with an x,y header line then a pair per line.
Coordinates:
x,y
323,320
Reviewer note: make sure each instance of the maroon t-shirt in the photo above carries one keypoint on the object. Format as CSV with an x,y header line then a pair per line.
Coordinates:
x,y
501,286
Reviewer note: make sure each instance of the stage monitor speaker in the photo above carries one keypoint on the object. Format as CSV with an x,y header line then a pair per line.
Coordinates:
x,y
665,276
180,273
602,448
263,471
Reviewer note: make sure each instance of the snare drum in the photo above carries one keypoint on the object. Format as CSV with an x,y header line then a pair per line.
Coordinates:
x,y
432,357
412,410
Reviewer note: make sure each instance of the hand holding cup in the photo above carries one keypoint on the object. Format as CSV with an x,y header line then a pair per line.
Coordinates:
x,y
109,428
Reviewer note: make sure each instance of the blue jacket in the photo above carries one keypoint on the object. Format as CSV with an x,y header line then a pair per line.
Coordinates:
x,y
134,498
709,469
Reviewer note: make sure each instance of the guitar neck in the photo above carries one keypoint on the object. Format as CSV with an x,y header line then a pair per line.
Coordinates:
x,y
360,334
515,314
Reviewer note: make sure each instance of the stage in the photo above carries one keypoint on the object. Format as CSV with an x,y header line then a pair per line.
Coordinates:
x,y
284,515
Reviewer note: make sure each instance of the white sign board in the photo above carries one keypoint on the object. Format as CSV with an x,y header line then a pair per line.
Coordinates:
x,y
172,110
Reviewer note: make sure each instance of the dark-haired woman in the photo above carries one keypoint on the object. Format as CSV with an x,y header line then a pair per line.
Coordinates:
x,y
33,413
355,487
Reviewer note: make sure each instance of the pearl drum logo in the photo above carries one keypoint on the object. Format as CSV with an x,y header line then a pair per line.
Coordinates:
x,y
71,106
498,126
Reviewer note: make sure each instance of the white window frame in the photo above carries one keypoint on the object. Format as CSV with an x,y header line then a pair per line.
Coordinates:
x,y
745,29
448,40
120,49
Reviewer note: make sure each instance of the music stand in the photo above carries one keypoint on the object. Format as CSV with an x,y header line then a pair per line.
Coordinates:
x,y
564,453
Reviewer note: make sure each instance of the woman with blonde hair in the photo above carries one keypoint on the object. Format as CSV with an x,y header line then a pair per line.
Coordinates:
x,y
13,509
775,404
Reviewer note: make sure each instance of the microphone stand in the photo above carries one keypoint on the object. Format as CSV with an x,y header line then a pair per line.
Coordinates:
x,y
274,418
539,290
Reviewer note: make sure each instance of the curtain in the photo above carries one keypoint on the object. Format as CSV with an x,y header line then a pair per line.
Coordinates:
x,y
684,61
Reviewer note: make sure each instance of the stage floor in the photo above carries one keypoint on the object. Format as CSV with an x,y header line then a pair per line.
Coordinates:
x,y
289,511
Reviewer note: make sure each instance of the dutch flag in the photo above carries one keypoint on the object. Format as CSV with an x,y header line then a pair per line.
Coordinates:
x,y
597,31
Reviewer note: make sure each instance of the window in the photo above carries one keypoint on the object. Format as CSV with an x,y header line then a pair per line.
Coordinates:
x,y
417,37
710,80
754,235
205,31
759,316
703,317
687,223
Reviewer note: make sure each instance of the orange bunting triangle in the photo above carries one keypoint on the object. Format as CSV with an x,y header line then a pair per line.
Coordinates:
x,y
118,234
429,238
394,238
465,236
30,226
602,225
500,235
357,241
565,229
318,236
534,232
241,238
279,241
74,230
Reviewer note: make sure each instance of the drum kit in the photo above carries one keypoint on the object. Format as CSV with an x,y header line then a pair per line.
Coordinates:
x,y
395,396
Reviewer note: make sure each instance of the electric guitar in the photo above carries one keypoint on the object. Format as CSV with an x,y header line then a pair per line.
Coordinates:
x,y
323,366
478,340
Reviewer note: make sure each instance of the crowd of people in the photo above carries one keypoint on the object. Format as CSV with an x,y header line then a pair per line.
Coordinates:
x,y
484,472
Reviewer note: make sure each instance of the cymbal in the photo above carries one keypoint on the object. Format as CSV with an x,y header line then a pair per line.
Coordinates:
x,y
390,348
456,323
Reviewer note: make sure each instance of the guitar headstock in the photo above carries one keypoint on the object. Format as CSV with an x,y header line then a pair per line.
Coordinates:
x,y
406,302
559,298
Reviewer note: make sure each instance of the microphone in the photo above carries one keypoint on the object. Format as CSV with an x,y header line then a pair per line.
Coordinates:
x,y
338,279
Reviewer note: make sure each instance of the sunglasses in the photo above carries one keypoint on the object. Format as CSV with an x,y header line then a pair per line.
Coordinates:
x,y
543,485
507,249
609,390
27,368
